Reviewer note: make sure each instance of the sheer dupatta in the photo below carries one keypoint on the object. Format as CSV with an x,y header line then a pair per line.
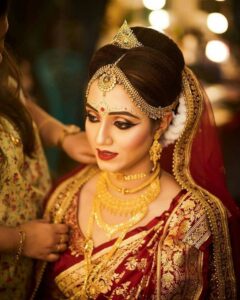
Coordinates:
x,y
197,165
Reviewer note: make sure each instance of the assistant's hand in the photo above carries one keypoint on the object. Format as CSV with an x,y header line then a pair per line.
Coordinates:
x,y
78,148
44,240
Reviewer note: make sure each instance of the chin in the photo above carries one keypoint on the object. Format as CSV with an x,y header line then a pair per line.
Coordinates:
x,y
109,166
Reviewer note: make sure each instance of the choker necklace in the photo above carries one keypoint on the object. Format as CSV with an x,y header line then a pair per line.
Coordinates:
x,y
130,206
124,191
129,177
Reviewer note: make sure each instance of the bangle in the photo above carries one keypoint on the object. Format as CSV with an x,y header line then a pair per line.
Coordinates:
x,y
22,235
67,130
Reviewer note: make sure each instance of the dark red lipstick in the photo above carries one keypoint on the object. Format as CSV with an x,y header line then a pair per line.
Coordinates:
x,y
106,155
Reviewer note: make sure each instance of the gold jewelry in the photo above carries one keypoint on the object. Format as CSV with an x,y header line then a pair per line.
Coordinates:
x,y
110,75
66,131
124,190
58,247
93,277
130,206
62,239
125,38
156,149
129,177
22,237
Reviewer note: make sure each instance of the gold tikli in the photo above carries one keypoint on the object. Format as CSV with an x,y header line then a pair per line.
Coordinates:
x,y
110,75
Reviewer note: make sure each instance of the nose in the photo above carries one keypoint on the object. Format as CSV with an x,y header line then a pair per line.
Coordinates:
x,y
103,135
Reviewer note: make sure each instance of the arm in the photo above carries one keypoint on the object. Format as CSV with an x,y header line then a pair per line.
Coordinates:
x,y
42,239
53,133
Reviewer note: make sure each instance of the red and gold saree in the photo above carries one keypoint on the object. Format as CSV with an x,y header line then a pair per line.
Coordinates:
x,y
184,253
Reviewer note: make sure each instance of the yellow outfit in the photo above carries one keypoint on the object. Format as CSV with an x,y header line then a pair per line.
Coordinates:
x,y
24,182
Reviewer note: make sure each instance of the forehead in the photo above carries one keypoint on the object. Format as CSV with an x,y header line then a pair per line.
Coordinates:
x,y
116,99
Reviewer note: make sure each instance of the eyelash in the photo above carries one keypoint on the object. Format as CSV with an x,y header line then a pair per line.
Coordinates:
x,y
119,124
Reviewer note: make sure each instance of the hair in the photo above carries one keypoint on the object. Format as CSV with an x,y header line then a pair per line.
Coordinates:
x,y
4,6
11,106
154,69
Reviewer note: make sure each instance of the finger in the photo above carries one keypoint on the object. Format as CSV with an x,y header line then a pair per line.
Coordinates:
x,y
59,248
61,228
52,257
63,238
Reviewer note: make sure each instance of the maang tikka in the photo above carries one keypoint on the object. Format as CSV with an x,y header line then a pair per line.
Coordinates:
x,y
155,150
110,75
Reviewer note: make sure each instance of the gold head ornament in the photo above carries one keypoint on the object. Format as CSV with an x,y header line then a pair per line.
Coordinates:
x,y
110,75
125,38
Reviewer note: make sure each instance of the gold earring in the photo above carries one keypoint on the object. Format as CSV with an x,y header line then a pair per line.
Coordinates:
x,y
155,150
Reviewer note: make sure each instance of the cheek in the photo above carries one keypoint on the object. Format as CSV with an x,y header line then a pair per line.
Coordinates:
x,y
136,140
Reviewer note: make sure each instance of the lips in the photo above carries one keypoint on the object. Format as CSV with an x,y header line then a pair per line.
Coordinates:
x,y
106,155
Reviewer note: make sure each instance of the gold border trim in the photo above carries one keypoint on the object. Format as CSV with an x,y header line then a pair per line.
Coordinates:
x,y
222,258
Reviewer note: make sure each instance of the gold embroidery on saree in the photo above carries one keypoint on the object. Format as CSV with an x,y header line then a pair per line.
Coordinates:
x,y
222,271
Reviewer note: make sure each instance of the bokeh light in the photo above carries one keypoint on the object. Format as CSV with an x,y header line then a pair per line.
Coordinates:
x,y
217,22
154,4
217,51
159,19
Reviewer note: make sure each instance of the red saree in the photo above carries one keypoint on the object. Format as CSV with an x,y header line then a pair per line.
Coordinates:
x,y
168,257
185,253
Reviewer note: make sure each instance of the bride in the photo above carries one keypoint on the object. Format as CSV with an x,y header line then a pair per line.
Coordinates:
x,y
145,221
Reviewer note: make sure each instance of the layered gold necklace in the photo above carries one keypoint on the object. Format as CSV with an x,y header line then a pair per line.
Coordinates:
x,y
136,208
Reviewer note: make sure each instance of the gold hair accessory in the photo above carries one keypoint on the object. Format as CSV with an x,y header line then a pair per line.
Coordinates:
x,y
125,38
156,149
110,75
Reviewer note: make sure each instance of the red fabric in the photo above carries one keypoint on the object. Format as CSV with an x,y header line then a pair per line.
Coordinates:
x,y
207,170
50,290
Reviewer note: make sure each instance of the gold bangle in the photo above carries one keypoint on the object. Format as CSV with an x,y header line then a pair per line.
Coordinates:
x,y
67,130
22,237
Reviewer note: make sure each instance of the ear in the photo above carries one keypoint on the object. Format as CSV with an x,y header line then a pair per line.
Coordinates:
x,y
163,124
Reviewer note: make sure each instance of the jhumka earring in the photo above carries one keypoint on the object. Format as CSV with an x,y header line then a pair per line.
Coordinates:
x,y
155,150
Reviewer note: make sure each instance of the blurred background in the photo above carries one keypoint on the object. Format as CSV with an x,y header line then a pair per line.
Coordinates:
x,y
54,41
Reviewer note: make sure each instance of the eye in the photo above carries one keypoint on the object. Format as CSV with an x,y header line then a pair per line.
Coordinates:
x,y
123,125
92,118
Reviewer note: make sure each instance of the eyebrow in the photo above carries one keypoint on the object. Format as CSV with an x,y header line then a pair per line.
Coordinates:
x,y
126,113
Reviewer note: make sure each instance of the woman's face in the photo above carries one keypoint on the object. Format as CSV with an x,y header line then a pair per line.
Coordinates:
x,y
3,31
119,133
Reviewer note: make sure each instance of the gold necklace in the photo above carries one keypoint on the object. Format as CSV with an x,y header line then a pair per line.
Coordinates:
x,y
126,207
92,282
124,190
93,277
129,177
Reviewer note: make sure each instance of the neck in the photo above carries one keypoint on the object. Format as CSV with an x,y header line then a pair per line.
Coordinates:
x,y
130,183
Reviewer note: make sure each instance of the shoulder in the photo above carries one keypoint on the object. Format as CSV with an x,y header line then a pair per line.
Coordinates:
x,y
61,195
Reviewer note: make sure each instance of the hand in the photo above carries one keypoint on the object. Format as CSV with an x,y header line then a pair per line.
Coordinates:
x,y
44,240
78,148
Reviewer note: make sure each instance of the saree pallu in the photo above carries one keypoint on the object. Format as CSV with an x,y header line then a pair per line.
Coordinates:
x,y
168,258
